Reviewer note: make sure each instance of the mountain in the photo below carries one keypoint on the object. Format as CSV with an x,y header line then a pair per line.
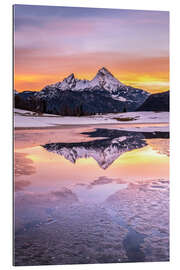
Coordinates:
x,y
103,79
103,94
104,151
156,102
15,92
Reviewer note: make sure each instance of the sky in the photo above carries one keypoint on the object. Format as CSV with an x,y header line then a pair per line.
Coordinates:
x,y
52,42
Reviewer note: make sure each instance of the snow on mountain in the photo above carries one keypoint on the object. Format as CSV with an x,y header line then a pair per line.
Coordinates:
x,y
15,92
106,80
74,97
103,79
105,151
116,97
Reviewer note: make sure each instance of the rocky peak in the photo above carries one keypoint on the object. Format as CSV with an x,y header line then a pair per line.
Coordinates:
x,y
67,84
105,79
104,71
70,78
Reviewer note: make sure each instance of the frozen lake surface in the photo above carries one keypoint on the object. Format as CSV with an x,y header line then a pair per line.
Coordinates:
x,y
91,195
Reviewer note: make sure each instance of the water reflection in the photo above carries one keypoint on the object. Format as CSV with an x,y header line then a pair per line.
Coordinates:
x,y
23,165
104,151
102,197
21,184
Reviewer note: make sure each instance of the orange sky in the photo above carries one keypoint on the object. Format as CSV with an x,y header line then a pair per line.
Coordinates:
x,y
150,74
53,42
53,169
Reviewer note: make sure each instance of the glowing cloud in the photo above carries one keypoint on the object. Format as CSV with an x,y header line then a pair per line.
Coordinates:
x,y
52,42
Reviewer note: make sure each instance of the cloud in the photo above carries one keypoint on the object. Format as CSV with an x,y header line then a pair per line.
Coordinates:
x,y
21,185
23,165
126,31
52,42
29,14
34,70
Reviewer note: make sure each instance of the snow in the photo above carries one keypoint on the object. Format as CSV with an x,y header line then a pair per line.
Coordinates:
x,y
106,80
119,98
102,79
144,206
149,121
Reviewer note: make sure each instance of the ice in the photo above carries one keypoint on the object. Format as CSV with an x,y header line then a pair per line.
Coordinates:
x,y
146,211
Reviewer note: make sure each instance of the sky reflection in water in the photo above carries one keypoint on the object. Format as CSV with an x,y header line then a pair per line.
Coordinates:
x,y
49,170
54,172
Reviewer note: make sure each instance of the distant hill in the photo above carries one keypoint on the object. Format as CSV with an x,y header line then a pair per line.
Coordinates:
x,y
74,97
156,102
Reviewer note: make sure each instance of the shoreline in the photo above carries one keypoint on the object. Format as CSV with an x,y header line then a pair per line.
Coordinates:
x,y
131,120
61,126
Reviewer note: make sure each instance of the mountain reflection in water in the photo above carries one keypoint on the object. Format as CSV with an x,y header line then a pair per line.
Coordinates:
x,y
104,151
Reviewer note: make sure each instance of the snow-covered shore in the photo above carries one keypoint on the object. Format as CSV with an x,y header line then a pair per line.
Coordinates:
x,y
150,120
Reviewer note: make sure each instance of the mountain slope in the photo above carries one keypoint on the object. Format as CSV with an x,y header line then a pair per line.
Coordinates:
x,y
156,102
103,79
103,94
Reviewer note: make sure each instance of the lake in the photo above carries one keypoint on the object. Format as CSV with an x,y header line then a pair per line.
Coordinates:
x,y
90,195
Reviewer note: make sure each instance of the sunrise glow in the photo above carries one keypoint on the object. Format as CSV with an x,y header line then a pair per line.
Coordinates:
x,y
53,42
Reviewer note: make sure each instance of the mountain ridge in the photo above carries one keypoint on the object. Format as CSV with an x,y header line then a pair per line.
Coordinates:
x,y
104,78
72,96
156,102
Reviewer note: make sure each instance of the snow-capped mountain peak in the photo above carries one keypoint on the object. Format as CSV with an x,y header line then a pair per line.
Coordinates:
x,y
103,72
103,79
67,84
72,96
70,78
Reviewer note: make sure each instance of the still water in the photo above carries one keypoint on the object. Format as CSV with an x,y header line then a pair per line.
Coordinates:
x,y
90,195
